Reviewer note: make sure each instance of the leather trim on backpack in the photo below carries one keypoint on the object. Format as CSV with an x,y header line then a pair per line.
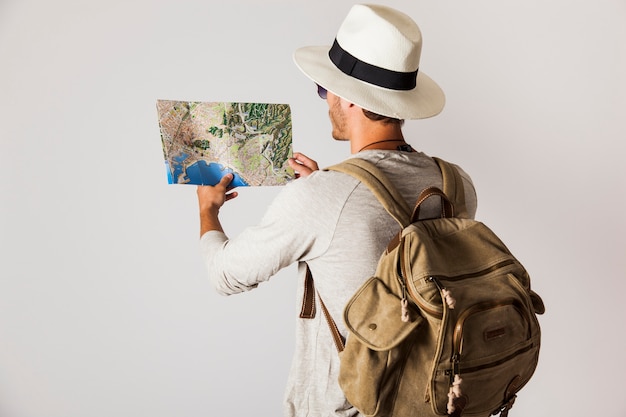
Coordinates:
x,y
308,298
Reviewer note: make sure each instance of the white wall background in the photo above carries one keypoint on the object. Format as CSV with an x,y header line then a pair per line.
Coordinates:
x,y
104,306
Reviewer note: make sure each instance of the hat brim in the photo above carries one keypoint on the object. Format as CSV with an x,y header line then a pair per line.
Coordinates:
x,y
425,100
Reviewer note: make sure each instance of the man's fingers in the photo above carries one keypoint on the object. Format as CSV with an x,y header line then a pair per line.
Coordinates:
x,y
230,196
306,161
302,164
225,180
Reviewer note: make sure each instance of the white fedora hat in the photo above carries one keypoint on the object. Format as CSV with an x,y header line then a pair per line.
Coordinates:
x,y
374,63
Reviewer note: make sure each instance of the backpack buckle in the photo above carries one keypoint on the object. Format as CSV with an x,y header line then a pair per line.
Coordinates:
x,y
509,396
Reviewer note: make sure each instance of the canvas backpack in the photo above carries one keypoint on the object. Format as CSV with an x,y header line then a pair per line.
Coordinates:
x,y
447,325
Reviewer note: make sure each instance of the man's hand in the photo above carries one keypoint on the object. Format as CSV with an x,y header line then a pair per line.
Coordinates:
x,y
210,200
302,165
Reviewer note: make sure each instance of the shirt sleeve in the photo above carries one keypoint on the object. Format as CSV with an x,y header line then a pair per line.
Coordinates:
x,y
298,225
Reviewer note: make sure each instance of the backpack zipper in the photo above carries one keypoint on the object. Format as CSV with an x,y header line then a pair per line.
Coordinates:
x,y
456,363
485,271
438,312
406,288
405,314
480,307
457,338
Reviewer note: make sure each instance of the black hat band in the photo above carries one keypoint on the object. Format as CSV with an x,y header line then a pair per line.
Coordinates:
x,y
382,77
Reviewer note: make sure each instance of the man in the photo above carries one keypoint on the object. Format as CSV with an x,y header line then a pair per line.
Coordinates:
x,y
327,219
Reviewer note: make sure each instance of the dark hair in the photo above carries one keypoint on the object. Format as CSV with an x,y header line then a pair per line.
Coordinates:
x,y
380,118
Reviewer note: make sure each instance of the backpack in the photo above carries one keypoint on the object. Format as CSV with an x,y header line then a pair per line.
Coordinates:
x,y
447,325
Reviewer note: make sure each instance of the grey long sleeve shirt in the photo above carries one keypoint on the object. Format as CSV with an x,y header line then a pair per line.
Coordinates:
x,y
335,224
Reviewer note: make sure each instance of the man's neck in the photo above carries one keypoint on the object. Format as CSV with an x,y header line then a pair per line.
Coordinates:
x,y
377,135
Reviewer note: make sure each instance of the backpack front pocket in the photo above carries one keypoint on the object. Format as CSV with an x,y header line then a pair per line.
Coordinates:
x,y
376,351
492,345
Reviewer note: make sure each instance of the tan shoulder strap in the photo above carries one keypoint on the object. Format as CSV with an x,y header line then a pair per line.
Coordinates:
x,y
396,206
308,310
453,187
391,199
370,175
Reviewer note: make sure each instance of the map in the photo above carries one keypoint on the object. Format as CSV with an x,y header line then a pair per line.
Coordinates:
x,y
202,142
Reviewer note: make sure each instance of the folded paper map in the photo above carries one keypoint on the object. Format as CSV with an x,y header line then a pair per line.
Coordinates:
x,y
204,141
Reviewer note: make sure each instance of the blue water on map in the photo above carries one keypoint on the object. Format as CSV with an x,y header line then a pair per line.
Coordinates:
x,y
201,173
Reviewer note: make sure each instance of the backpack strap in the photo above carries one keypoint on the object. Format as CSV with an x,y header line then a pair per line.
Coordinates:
x,y
308,310
453,187
388,195
391,199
